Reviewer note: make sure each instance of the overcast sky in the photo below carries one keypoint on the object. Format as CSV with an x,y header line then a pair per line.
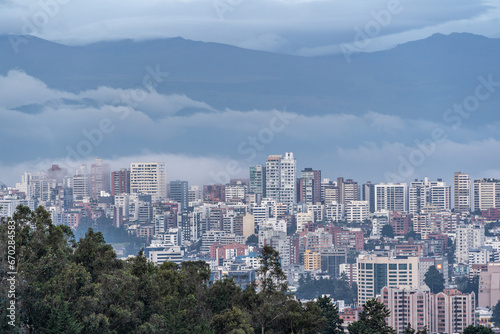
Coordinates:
x,y
301,27
305,27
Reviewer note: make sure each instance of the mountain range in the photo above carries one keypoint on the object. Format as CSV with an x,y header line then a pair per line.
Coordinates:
x,y
418,79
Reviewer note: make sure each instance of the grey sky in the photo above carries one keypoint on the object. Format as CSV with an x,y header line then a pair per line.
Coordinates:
x,y
305,27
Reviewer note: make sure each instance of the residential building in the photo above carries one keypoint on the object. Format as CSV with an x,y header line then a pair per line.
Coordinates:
x,y
368,194
120,182
331,259
462,192
468,236
99,178
449,311
149,178
376,272
258,181
178,191
489,286
312,260
391,197
486,194
310,186
357,211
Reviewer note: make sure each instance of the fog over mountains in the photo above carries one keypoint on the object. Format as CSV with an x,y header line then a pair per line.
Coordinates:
x,y
198,105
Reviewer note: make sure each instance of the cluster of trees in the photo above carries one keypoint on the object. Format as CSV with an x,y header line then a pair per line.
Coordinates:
x,y
338,289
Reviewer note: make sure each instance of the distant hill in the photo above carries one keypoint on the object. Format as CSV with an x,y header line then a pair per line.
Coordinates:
x,y
418,79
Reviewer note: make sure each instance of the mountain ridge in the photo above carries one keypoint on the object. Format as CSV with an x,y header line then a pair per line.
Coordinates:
x,y
419,78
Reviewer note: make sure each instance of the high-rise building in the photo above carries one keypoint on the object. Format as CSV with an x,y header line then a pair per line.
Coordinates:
x,y
391,197
368,194
452,311
57,173
99,178
281,175
440,195
331,259
258,181
407,306
214,193
423,193
310,186
449,311
376,272
273,177
81,183
401,223
194,193
469,236
356,211
489,286
486,194
178,191
120,182
350,190
236,192
462,192
149,178
312,260
288,180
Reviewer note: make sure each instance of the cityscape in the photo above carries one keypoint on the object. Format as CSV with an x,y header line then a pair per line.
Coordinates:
x,y
249,167
381,238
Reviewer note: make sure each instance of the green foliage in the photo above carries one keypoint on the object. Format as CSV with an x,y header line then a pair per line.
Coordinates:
x,y
414,235
477,330
271,275
450,252
372,319
252,240
232,321
467,285
434,280
388,231
330,311
409,329
338,289
495,317
61,321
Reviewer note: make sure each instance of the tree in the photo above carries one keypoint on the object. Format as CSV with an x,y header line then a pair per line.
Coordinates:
x,y
466,285
495,317
388,231
409,329
372,319
330,311
477,330
412,234
252,240
61,321
434,280
232,321
272,277
269,304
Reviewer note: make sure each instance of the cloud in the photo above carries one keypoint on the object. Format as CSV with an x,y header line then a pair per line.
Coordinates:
x,y
196,169
17,89
297,27
71,128
265,42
